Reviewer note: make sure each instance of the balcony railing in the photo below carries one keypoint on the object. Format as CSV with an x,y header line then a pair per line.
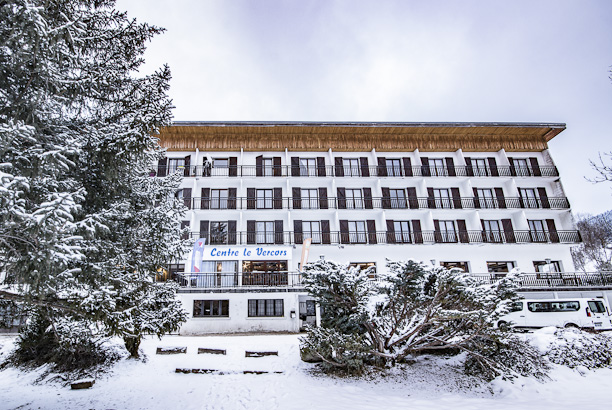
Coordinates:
x,y
388,237
243,203
358,171
288,279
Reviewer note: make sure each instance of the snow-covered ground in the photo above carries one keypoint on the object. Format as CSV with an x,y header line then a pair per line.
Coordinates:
x,y
431,383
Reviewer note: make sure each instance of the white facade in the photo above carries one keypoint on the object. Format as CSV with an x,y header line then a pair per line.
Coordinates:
x,y
485,211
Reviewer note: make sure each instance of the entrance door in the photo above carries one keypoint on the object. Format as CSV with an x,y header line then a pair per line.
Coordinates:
x,y
264,273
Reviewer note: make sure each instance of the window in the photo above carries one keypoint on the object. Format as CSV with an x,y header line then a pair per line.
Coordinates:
x,y
500,267
492,231
357,231
267,167
312,229
570,306
210,308
596,306
447,231
442,198
351,167
216,274
175,164
365,265
308,167
394,167
479,166
536,230
218,198
398,198
547,266
456,265
521,167
528,195
310,198
354,199
264,232
221,166
402,231
516,306
218,232
265,198
485,198
437,167
266,308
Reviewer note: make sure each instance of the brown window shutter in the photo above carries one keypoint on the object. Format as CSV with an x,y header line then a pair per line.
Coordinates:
x,y
259,166
278,198
276,163
469,169
251,198
251,233
552,230
233,166
187,197
205,200
535,167
325,232
297,198
463,233
231,232
187,170
386,198
494,171
297,232
476,200
371,224
390,231
437,233
321,166
456,198
367,198
382,167
501,200
365,168
450,167
339,166
204,229
417,233
162,167
508,230
341,198
543,198
413,200
431,201
231,198
344,232
407,166
295,166
425,171
278,232
323,203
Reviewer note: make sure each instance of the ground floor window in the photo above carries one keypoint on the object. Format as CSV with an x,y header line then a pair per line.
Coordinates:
x,y
365,265
210,308
464,266
266,308
500,267
264,273
547,266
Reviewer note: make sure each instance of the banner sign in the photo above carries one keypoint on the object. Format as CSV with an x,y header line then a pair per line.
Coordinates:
x,y
196,255
305,252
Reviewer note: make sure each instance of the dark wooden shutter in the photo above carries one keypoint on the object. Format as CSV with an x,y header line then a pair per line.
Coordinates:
x,y
344,231
231,198
187,170
259,166
323,203
413,200
278,198
297,232
339,166
390,231
187,197
512,167
450,167
204,231
231,232
476,199
521,201
382,167
278,232
367,198
233,166
365,167
485,236
276,161
295,166
184,224
501,200
552,230
371,224
325,232
468,167
543,198
456,198
535,167
417,233
407,166
508,230
341,198
386,198
321,166
431,201
463,233
297,198
437,233
251,198
425,171
251,233
493,167
205,200
162,167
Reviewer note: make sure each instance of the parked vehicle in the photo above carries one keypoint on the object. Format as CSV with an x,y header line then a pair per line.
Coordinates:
x,y
584,313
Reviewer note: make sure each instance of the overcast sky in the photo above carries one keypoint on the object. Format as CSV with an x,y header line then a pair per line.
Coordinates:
x,y
403,60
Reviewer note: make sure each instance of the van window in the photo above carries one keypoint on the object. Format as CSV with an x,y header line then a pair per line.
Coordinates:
x,y
516,307
597,307
571,306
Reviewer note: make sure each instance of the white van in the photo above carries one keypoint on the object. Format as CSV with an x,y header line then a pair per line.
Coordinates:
x,y
591,313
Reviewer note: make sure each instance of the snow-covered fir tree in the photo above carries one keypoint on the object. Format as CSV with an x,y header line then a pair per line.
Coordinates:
x,y
83,228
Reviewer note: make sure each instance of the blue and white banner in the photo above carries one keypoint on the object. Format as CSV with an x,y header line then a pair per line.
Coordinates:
x,y
197,255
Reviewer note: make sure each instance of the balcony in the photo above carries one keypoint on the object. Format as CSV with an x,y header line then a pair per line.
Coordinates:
x,y
284,279
392,238
357,172
243,203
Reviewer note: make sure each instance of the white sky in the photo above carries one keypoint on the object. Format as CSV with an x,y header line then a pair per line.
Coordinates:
x,y
397,60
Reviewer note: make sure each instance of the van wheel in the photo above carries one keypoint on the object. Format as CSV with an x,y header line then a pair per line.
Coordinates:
x,y
503,326
571,326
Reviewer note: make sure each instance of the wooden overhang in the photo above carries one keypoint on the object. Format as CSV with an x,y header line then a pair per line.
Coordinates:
x,y
358,136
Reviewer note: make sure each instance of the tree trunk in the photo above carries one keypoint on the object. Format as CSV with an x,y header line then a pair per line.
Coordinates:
x,y
132,344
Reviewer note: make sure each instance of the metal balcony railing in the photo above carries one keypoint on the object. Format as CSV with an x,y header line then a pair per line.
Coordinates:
x,y
243,203
387,237
357,171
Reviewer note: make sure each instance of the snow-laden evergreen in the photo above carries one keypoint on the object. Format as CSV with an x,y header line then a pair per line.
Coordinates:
x,y
83,228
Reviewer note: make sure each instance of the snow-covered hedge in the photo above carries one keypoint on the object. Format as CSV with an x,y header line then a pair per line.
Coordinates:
x,y
574,348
